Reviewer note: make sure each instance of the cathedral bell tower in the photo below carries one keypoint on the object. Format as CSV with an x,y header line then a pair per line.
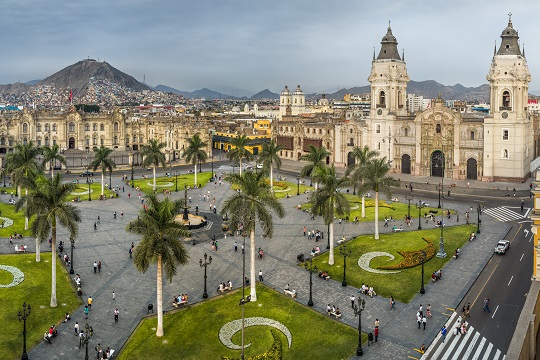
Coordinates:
x,y
507,129
388,79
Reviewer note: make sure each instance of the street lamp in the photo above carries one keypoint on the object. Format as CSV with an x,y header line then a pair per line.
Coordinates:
x,y
358,312
88,181
345,253
409,197
185,217
110,178
87,336
479,221
72,241
176,181
205,264
132,161
22,316
298,185
423,259
212,164
311,270
419,206
439,188
441,253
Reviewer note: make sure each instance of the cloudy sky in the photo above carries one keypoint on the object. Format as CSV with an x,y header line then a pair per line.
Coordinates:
x,y
257,44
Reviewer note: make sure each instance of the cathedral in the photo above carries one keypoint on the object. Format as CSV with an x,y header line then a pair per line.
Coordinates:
x,y
498,146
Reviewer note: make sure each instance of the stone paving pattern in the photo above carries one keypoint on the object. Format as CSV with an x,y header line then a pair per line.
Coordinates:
x,y
134,291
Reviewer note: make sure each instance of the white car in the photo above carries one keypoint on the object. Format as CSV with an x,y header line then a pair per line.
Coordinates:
x,y
502,247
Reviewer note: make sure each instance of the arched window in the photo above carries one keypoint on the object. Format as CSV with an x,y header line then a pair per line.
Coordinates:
x,y
25,141
438,128
46,141
400,101
505,154
382,99
378,128
94,127
405,131
94,140
101,127
134,138
54,127
71,127
351,142
351,131
102,141
38,127
379,145
115,140
47,127
25,128
506,100
87,127
2,141
127,140
115,126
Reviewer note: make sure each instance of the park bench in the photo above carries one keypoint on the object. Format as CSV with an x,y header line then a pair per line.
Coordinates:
x,y
397,230
335,314
179,303
292,293
342,240
19,249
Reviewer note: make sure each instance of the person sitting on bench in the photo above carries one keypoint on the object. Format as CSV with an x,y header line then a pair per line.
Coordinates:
x,y
371,292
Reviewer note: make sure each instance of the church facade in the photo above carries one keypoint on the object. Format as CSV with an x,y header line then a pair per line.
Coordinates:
x,y
498,146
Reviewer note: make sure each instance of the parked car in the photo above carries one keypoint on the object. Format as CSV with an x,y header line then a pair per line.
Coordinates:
x,y
502,247
87,173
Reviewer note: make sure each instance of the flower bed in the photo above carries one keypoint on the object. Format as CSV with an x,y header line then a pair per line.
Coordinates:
x,y
412,258
18,276
371,203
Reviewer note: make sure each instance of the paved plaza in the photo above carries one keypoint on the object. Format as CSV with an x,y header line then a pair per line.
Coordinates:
x,y
134,291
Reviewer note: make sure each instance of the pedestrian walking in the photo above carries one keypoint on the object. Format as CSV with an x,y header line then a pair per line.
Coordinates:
x,y
486,305
352,301
443,333
418,319
428,310
99,266
304,231
81,339
76,328
95,267
216,244
235,246
261,275
376,331
392,303
95,226
522,203
113,295
130,253
114,215
99,351
121,214
98,219
468,309
86,311
424,321
90,302
116,313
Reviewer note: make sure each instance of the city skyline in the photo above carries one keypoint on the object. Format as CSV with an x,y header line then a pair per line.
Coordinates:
x,y
247,47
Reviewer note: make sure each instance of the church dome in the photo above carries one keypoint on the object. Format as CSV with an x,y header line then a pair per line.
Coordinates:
x,y
389,48
286,91
510,41
298,91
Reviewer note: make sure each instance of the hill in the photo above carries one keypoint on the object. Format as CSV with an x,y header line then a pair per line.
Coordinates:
x,y
265,95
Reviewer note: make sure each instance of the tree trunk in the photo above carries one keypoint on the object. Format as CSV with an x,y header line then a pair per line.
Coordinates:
x,y
252,264
331,252
376,215
53,261
159,331
26,217
154,170
271,178
19,192
102,183
195,175
38,250
52,170
240,166
363,206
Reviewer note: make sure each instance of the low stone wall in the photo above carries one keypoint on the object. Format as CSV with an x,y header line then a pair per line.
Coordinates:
x,y
523,344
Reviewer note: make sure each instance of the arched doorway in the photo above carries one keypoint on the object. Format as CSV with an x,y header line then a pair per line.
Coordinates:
x,y
437,163
472,169
71,144
350,159
405,164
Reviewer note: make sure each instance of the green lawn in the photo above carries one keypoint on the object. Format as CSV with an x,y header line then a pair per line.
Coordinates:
x,y
169,183
192,333
405,284
8,211
81,190
36,291
284,188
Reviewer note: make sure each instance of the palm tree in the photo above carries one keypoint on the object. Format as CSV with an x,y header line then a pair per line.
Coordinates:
x,y
269,157
160,243
194,153
239,150
376,179
47,201
251,205
317,159
102,160
22,164
52,154
153,156
329,201
363,156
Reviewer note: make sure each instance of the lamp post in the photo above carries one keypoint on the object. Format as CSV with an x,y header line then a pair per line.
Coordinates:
x,y
22,317
358,312
88,181
205,265
212,164
176,181
185,217
441,253
419,206
110,178
311,270
72,241
439,188
87,336
479,210
423,258
298,185
132,161
409,197
345,253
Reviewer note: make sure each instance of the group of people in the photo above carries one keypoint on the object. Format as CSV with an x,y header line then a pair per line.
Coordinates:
x,y
225,286
52,332
14,236
333,310
78,282
313,234
437,275
456,253
387,219
461,326
324,275
316,250
472,237
367,290
180,299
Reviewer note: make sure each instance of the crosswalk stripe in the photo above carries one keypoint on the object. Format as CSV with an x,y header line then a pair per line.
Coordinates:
x,y
448,352
503,214
471,345
488,350
479,350
497,354
463,343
